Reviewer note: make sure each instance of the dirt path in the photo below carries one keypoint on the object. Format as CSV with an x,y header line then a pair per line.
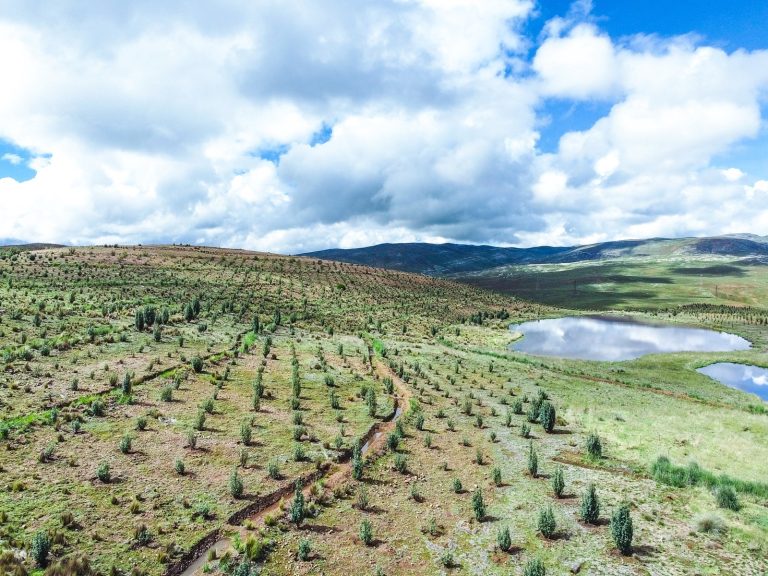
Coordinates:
x,y
334,476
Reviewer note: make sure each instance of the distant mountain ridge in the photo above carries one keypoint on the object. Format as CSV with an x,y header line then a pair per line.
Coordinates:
x,y
452,259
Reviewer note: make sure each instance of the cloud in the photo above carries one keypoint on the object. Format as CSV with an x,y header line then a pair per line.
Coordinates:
x,y
11,158
150,122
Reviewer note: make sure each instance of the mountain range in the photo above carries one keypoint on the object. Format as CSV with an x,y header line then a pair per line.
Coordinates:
x,y
457,259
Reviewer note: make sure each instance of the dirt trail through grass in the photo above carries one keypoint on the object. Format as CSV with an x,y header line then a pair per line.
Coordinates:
x,y
254,514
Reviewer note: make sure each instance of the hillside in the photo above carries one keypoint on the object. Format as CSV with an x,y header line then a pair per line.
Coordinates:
x,y
458,259
179,410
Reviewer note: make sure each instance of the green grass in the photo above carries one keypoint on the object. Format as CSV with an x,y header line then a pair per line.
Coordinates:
x,y
635,284
352,338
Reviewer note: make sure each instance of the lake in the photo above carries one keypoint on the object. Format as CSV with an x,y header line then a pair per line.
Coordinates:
x,y
589,338
752,379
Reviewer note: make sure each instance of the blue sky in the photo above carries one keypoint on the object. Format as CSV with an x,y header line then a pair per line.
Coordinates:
x,y
14,162
730,24
290,128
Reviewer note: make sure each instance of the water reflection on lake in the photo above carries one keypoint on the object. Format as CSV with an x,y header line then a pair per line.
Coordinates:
x,y
611,339
744,377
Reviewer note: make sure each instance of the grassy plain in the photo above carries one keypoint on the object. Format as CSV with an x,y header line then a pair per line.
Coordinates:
x,y
633,284
69,337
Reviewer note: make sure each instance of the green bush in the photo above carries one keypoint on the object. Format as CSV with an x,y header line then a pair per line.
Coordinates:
x,y
125,443
246,433
166,394
496,474
40,549
558,482
547,417
273,470
296,512
594,446
235,485
401,463
103,473
533,461
503,539
621,529
304,550
197,364
547,524
726,498
366,532
478,505
589,508
534,567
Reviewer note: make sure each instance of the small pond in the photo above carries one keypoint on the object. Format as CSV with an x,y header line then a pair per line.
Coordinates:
x,y
613,339
744,377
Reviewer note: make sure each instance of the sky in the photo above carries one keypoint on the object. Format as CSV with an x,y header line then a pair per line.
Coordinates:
x,y
297,126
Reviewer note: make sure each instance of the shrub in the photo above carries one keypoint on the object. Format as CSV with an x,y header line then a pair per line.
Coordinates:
x,y
547,524
594,446
197,364
726,498
199,423
496,474
589,509
273,470
393,441
456,485
478,505
40,549
621,529
103,473
525,430
366,532
533,412
192,439
558,482
534,567
401,463
235,485
710,524
178,465
166,394
97,408
141,423
141,535
503,539
125,443
533,461
246,432
296,512
362,498
547,416
305,548
447,559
